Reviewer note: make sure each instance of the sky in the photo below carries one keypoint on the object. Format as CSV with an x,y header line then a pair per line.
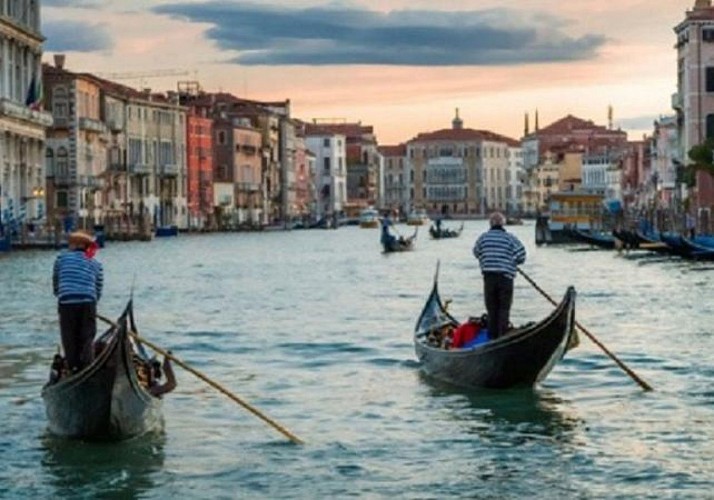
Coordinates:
x,y
401,66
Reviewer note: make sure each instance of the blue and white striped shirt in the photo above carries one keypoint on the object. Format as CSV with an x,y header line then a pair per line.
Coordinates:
x,y
499,252
77,279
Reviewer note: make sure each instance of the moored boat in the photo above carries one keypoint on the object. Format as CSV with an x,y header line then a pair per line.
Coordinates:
x,y
565,210
594,238
417,217
106,400
522,357
369,217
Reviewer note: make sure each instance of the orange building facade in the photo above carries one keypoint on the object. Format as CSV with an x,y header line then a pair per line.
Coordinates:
x,y
199,169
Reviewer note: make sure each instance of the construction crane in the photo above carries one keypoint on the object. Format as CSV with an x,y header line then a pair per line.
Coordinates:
x,y
138,75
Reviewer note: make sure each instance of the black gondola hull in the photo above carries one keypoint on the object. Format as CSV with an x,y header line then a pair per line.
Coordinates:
x,y
523,357
105,401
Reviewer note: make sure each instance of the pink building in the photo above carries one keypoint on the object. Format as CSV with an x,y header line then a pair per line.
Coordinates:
x,y
199,168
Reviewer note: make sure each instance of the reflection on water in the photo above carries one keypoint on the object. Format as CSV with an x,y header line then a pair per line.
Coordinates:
x,y
107,470
519,410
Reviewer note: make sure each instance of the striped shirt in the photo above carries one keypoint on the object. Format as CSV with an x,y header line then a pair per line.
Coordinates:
x,y
499,252
76,278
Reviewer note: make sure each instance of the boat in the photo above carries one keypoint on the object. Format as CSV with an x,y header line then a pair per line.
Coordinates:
x,y
369,217
445,233
105,401
166,231
514,221
417,217
699,247
401,244
565,210
522,357
594,238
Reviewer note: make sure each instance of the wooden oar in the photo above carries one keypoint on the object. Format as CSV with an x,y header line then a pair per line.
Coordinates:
x,y
212,383
645,386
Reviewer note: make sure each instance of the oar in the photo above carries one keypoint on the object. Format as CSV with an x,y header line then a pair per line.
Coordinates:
x,y
619,363
212,383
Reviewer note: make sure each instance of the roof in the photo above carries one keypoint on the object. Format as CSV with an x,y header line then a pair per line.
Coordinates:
x,y
398,150
463,135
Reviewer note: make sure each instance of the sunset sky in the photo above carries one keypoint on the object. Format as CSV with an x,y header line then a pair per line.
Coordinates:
x,y
401,66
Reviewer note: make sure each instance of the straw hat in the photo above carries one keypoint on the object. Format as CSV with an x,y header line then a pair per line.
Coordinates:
x,y
80,239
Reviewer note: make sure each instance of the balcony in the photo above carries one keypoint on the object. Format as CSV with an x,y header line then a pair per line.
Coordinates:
x,y
22,112
91,181
140,169
92,125
677,101
247,187
115,125
169,170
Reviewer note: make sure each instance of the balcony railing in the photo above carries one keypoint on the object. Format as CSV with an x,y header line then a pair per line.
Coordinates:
x,y
21,112
247,187
91,181
115,124
92,125
677,101
139,168
169,170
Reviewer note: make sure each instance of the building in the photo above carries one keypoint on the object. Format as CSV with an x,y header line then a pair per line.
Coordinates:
x,y
396,187
694,99
330,171
22,121
77,148
199,171
459,171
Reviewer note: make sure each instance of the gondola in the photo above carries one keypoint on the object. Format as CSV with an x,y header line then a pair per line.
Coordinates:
x,y
522,357
400,244
445,233
596,239
699,248
106,400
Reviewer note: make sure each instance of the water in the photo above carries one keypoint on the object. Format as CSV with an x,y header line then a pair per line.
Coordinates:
x,y
314,329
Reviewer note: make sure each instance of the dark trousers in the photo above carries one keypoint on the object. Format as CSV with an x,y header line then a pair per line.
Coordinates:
x,y
498,294
78,326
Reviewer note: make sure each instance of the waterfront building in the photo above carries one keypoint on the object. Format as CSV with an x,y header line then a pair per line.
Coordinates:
x,y
459,171
199,171
636,167
22,121
666,160
77,148
330,171
694,99
396,188
304,179
515,176
364,163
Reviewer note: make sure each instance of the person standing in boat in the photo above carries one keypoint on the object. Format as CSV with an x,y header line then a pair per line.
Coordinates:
x,y
498,253
388,239
77,281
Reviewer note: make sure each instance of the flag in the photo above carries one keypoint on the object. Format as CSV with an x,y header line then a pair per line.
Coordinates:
x,y
34,94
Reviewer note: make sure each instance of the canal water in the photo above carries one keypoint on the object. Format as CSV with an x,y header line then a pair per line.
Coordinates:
x,y
314,329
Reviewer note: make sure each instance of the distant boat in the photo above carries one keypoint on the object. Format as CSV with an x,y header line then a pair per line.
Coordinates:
x,y
105,400
369,218
417,217
166,231
567,209
400,244
522,357
445,233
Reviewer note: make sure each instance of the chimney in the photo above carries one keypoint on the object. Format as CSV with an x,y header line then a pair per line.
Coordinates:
x,y
59,61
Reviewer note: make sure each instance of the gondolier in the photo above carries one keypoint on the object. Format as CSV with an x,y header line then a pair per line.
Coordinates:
x,y
77,281
498,253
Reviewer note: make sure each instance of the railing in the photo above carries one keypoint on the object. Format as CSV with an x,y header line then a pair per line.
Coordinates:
x,y
169,169
115,124
139,168
92,125
19,111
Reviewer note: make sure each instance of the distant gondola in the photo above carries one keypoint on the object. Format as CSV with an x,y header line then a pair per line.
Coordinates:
x,y
105,400
400,244
445,233
522,357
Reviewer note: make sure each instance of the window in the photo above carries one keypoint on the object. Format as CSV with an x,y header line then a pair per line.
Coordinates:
x,y
61,199
62,163
326,164
221,137
710,78
326,143
50,162
710,126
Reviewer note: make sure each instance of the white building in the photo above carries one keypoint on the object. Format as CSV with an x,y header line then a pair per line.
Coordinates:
x,y
330,172
515,176
22,123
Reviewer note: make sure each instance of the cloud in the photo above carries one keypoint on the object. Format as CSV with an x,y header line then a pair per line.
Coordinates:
x,y
645,122
337,35
76,36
